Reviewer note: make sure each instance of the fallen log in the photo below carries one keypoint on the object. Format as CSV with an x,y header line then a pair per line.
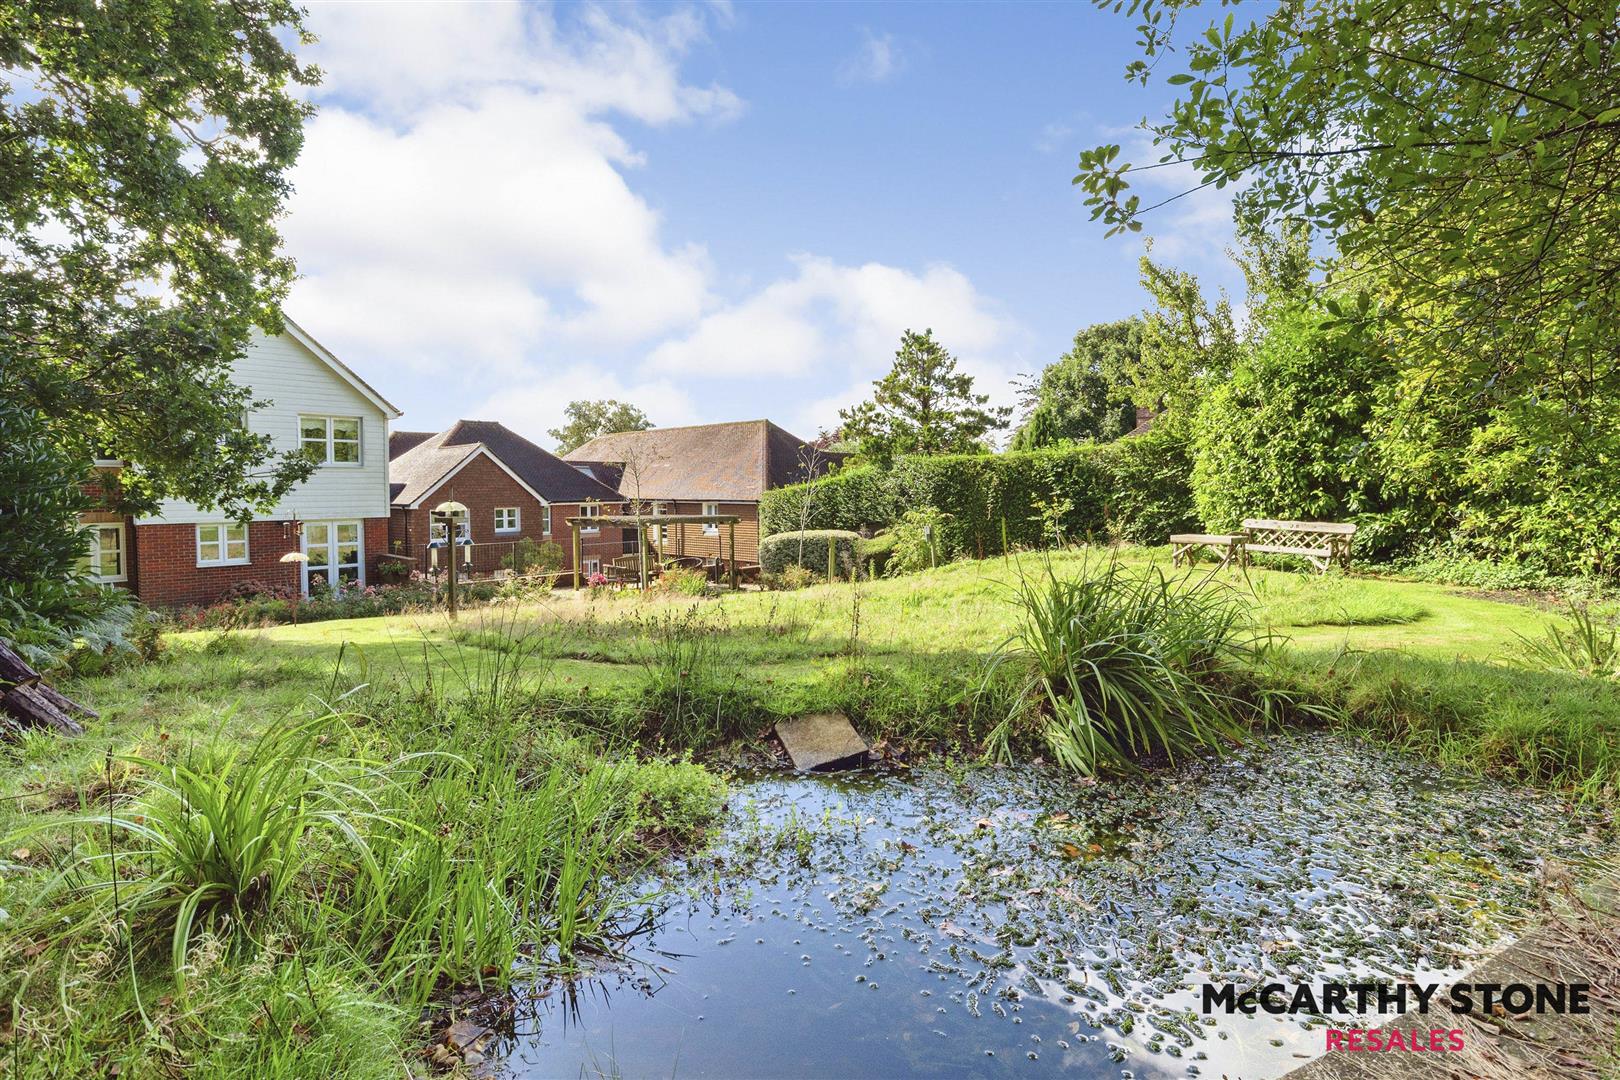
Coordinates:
x,y
26,701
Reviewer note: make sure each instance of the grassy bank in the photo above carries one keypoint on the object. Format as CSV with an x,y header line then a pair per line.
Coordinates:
x,y
1437,669
469,799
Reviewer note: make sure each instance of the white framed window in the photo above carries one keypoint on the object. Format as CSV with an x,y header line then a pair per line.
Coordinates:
x,y
440,531
711,528
545,519
593,566
507,519
334,554
104,561
222,545
331,440
590,510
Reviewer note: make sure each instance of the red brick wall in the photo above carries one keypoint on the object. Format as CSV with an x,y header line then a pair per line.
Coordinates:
x,y
163,561
481,487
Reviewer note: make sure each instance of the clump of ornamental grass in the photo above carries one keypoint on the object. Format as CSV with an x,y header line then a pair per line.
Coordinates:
x,y
1118,665
1588,645
214,839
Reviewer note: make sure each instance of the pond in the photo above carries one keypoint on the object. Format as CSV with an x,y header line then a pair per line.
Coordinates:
x,y
974,921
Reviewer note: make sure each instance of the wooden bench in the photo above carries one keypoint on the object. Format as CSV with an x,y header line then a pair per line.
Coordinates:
x,y
1185,546
1324,543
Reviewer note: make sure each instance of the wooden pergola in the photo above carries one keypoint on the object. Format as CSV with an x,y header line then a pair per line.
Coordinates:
x,y
643,522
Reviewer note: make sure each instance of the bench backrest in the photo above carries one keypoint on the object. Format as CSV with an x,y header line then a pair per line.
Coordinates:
x,y
1272,531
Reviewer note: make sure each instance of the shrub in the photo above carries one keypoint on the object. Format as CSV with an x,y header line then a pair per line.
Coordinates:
x,y
874,554
849,499
681,581
254,589
919,542
1134,489
1287,435
1151,491
809,550
1589,645
1118,665
393,571
530,557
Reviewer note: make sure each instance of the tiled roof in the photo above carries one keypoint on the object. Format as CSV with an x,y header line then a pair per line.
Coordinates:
x,y
401,441
734,462
420,470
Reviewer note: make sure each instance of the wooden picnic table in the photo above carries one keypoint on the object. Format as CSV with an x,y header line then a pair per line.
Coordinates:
x,y
1184,546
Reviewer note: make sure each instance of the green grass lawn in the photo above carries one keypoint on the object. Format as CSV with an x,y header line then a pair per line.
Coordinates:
x,y
489,770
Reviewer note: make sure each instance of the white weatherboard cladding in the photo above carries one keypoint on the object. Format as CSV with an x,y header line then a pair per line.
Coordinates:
x,y
296,382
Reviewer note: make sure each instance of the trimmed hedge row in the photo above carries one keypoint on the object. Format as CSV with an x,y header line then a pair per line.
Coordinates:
x,y
1134,489
809,550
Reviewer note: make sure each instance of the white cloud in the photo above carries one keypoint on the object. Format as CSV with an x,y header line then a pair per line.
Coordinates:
x,y
465,219
877,59
533,399
840,325
462,185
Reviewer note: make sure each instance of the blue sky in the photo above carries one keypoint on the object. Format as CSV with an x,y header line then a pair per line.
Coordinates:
x,y
717,212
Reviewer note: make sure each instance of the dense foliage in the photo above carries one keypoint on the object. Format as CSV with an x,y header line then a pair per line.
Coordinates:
x,y
588,419
40,501
1086,394
1286,435
144,151
808,549
1130,489
922,406
1461,159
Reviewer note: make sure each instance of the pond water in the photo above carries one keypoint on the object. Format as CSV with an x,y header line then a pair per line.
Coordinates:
x,y
951,921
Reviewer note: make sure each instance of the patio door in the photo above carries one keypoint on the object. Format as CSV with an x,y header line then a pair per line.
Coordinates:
x,y
333,550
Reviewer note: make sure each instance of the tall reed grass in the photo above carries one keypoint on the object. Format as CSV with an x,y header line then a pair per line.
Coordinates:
x,y
1115,665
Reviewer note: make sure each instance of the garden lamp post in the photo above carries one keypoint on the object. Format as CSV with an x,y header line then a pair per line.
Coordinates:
x,y
452,514
296,558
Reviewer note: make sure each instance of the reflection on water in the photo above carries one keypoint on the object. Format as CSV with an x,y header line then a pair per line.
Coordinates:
x,y
981,922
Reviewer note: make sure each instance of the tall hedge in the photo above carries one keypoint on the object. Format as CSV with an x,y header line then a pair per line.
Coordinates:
x,y
1134,489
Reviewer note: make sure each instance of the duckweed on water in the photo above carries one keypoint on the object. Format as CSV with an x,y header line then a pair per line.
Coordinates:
x,y
938,923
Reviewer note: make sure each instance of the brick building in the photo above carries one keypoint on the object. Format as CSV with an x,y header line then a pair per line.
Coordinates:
x,y
704,469
513,490
185,554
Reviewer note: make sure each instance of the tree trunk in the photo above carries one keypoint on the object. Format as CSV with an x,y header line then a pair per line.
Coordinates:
x,y
25,701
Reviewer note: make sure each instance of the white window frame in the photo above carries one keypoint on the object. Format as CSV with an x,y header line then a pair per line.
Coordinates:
x,y
590,510
94,553
223,542
329,453
332,566
592,566
545,519
711,528
517,519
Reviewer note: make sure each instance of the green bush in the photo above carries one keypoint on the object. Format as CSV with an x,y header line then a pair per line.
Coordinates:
x,y
1119,665
993,499
874,554
530,557
918,542
1287,435
849,499
1151,496
809,550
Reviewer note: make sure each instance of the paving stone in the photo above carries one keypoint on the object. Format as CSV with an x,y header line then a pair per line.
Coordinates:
x,y
822,742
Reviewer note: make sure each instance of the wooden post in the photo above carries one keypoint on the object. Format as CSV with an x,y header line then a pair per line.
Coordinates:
x,y
454,555
579,565
641,549
832,560
732,532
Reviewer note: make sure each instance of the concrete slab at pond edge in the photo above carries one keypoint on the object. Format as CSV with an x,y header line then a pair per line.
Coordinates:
x,y
822,742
